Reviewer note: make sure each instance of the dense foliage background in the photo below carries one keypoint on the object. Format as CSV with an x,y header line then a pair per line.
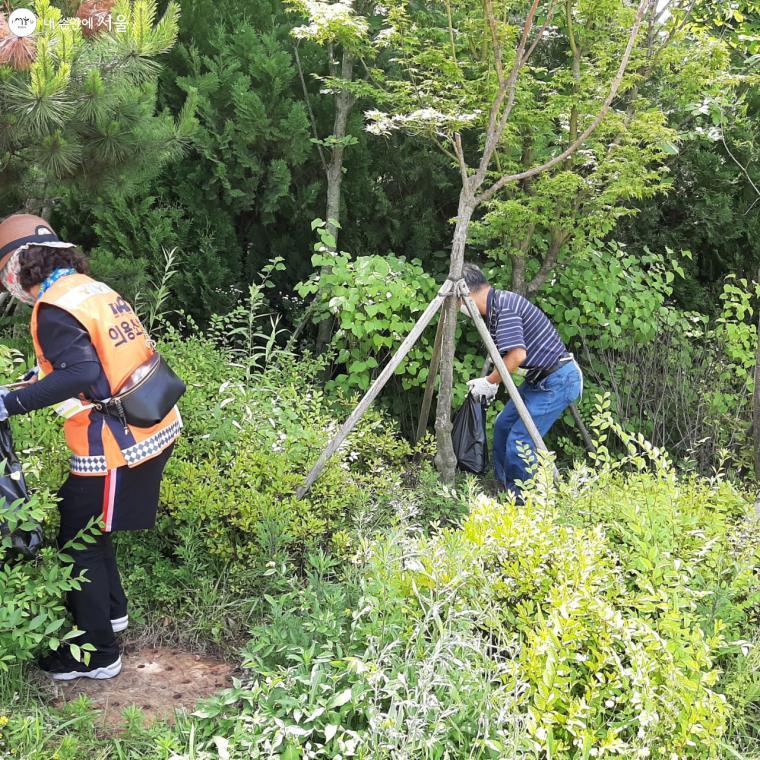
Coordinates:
x,y
628,246
248,174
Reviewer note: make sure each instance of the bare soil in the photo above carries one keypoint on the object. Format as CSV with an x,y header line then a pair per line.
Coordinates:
x,y
158,680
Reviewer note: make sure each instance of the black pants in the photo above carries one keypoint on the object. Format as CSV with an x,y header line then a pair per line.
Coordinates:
x,y
132,504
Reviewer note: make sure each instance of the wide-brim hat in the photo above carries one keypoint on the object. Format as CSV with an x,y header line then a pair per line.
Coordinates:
x,y
22,230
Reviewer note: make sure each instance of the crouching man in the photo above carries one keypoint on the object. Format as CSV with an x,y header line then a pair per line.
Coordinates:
x,y
531,347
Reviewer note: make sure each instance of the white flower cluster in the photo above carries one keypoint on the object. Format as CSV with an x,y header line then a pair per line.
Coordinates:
x,y
383,37
423,119
325,16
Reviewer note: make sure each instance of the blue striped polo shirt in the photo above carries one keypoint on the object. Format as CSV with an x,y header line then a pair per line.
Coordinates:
x,y
514,322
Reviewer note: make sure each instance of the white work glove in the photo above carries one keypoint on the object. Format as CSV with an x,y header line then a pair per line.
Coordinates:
x,y
482,389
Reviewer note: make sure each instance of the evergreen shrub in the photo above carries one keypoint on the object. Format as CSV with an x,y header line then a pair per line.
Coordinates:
x,y
229,508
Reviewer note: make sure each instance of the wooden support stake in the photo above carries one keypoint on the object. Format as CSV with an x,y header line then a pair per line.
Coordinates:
x,y
582,428
498,361
427,397
446,289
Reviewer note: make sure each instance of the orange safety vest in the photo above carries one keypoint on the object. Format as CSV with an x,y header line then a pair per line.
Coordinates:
x,y
100,442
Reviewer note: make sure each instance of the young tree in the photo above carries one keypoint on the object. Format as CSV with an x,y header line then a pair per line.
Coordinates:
x,y
344,29
80,109
475,77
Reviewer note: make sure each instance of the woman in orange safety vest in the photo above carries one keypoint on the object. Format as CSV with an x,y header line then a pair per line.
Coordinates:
x,y
88,343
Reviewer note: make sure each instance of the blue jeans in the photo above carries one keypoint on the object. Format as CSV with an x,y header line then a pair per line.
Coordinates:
x,y
545,401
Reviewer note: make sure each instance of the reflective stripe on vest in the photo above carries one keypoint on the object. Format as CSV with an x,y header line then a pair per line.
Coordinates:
x,y
98,442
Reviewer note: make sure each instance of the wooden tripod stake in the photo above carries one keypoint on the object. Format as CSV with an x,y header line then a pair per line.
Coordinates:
x,y
427,396
449,289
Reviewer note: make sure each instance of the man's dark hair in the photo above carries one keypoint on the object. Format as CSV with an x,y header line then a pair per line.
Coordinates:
x,y
38,261
474,277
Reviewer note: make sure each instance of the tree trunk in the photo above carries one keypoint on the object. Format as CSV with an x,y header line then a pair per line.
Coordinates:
x,y
445,460
559,238
518,273
344,102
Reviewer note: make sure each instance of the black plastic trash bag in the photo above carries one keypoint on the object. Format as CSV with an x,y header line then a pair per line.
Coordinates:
x,y
25,540
468,435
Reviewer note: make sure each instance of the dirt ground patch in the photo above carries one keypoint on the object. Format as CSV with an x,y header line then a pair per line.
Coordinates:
x,y
158,680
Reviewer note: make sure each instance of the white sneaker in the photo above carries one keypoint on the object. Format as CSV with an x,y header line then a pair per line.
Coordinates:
x,y
120,624
65,668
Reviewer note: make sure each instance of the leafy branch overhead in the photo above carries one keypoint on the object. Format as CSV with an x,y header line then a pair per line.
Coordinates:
x,y
481,68
551,112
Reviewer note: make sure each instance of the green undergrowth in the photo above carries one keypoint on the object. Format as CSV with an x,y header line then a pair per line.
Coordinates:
x,y
32,614
610,617
615,614
229,509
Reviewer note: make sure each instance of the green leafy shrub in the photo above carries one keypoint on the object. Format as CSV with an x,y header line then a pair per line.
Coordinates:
x,y
681,379
32,615
594,670
244,495
593,621
228,500
341,667
375,301
690,539
741,684
610,295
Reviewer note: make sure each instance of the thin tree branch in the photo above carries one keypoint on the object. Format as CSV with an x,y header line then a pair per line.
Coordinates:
x,y
446,152
671,34
460,158
735,159
308,107
559,238
495,41
506,90
451,33
665,8
367,71
541,31
573,133
332,63
614,87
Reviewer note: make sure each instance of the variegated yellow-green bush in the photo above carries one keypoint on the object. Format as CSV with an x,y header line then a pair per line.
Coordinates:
x,y
596,620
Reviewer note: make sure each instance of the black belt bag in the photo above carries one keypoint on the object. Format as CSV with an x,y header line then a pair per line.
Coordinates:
x,y
147,396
